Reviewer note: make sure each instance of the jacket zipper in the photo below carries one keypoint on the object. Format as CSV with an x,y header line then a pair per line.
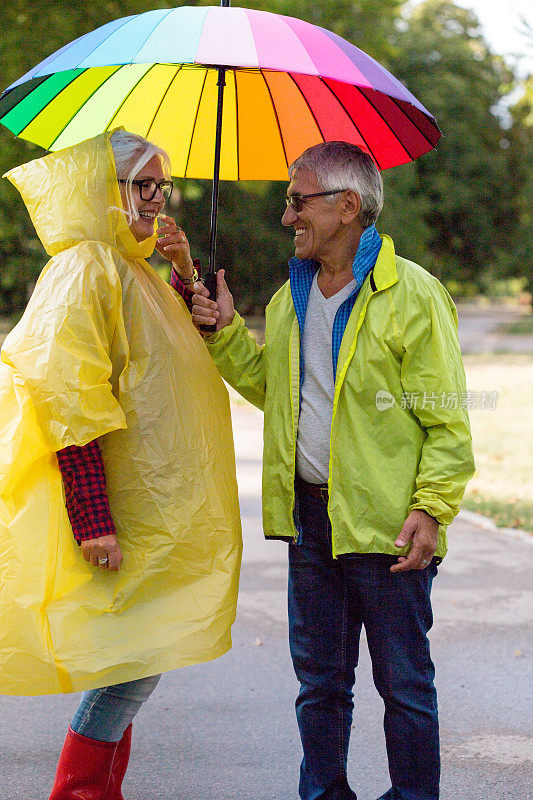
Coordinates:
x,y
295,405
338,386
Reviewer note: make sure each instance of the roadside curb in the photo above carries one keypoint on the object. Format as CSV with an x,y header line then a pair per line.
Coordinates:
x,y
480,521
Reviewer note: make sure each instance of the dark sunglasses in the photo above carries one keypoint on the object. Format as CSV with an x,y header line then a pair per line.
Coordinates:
x,y
148,188
297,200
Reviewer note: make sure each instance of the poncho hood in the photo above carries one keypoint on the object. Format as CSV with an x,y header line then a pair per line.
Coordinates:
x,y
72,196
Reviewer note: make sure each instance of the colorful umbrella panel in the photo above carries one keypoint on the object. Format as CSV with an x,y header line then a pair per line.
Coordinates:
x,y
289,85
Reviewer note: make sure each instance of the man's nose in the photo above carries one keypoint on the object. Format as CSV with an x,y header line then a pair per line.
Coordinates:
x,y
289,215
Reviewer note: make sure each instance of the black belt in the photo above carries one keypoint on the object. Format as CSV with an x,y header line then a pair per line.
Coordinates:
x,y
317,490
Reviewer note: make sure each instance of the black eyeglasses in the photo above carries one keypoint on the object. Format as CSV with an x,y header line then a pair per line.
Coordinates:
x,y
297,200
148,188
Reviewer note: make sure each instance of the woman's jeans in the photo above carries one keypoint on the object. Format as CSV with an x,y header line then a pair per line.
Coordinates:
x,y
104,714
329,601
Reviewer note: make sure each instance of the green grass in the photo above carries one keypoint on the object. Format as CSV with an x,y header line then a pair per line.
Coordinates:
x,y
520,327
504,513
503,441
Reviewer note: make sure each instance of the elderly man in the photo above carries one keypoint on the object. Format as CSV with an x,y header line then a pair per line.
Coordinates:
x,y
367,454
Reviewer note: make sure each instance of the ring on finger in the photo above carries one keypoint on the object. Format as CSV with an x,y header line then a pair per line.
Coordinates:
x,y
425,562
102,561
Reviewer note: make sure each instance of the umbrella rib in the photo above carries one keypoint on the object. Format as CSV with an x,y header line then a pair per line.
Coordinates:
x,y
400,109
117,110
40,111
353,121
167,90
378,112
161,21
277,118
18,94
85,101
237,124
194,125
304,98
412,121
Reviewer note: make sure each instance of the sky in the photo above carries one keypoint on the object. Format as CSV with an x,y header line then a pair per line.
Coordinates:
x,y
501,23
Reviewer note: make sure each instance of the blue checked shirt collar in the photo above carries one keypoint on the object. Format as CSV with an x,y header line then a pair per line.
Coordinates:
x,y
302,272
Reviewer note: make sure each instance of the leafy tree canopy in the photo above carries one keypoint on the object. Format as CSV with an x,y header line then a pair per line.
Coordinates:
x,y
470,189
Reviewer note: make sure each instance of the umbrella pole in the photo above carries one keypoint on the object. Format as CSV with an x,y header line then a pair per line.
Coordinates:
x,y
210,278
216,171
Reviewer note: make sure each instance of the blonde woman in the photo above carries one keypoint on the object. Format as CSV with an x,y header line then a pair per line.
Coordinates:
x,y
119,524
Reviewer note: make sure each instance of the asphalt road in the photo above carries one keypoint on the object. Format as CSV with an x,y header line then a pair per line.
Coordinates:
x,y
480,329
226,730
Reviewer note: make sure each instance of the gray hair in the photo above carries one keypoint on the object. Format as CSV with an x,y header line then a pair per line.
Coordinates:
x,y
131,153
340,165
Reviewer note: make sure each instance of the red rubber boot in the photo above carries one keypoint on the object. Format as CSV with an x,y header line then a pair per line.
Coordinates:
x,y
120,765
84,769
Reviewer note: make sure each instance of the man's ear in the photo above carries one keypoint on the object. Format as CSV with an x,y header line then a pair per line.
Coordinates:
x,y
351,206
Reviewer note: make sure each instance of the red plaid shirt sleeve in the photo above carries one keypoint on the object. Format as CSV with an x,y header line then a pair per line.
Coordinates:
x,y
185,291
82,470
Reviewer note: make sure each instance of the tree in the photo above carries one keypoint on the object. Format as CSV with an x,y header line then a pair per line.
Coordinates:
x,y
469,189
521,151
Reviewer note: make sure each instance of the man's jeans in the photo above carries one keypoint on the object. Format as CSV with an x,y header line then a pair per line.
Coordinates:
x,y
104,714
329,601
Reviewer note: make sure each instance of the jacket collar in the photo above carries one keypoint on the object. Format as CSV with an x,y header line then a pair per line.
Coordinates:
x,y
385,273
367,252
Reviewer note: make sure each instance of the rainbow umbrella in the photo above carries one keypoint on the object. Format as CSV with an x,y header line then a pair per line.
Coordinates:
x,y
227,92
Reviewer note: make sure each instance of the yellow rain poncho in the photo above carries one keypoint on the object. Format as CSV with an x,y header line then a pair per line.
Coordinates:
x,y
107,350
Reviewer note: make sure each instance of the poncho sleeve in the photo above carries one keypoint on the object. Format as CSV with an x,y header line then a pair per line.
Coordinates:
x,y
69,348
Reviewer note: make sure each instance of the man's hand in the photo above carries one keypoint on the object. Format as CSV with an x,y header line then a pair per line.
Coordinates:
x,y
422,531
206,311
172,244
103,547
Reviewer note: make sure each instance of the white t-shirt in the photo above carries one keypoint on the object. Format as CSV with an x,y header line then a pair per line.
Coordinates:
x,y
316,409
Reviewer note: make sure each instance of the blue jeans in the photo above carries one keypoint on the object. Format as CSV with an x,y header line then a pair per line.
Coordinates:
x,y
329,602
104,714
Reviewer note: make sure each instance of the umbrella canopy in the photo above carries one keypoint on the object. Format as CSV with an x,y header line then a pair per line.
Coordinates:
x,y
289,85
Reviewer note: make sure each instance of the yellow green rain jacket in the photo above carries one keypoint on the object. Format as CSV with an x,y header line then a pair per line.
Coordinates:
x,y
107,350
400,436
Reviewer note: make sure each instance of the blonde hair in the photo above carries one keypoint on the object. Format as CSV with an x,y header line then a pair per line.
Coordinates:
x,y
131,152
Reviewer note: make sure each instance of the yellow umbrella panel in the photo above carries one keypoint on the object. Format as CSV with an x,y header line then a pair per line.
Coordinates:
x,y
175,106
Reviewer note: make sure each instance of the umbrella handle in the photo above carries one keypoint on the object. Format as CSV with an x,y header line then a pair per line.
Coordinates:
x,y
210,282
